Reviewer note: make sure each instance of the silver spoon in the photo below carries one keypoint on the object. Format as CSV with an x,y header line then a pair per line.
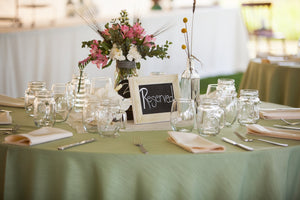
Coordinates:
x,y
245,139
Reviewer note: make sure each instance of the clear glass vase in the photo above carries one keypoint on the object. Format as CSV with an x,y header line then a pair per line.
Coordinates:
x,y
81,85
190,82
124,70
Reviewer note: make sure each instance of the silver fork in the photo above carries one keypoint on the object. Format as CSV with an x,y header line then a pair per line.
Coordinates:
x,y
245,139
137,141
290,123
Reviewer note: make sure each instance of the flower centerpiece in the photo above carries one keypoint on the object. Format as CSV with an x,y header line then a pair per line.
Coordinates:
x,y
124,43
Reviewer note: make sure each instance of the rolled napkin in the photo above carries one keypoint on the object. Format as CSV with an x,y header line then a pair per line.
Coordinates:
x,y
288,113
11,102
194,143
5,118
42,135
273,132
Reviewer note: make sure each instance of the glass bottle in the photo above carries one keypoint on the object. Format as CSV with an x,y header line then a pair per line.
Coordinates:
x,y
190,82
248,107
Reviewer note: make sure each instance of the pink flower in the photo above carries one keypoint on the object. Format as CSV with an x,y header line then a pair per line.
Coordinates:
x,y
138,30
149,40
127,32
100,61
105,32
84,61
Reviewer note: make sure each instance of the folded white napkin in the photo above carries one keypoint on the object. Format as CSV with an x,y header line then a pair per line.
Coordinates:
x,y
5,118
42,135
10,101
194,143
273,132
280,113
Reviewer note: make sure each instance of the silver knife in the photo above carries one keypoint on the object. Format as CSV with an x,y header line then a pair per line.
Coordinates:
x,y
76,144
286,127
237,144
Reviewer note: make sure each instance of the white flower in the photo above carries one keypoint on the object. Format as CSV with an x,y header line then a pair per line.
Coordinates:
x,y
134,54
116,53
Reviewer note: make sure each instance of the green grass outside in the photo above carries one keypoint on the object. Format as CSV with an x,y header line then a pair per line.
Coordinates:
x,y
210,80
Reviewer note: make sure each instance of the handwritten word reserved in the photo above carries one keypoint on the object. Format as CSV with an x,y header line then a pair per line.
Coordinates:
x,y
149,102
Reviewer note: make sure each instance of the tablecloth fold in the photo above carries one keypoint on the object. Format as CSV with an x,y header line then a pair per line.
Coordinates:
x,y
42,135
273,132
194,143
11,102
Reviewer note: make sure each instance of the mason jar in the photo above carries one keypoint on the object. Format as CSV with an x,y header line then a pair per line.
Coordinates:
x,y
227,98
248,107
210,117
89,115
32,89
109,119
44,109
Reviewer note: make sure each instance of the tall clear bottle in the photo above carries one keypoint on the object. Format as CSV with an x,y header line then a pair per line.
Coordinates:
x,y
190,82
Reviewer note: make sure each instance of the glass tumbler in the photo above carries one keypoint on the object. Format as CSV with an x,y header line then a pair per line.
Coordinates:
x,y
183,115
210,117
248,107
44,109
89,115
109,119
98,84
62,105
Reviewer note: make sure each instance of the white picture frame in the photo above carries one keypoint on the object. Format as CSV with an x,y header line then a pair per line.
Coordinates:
x,y
160,102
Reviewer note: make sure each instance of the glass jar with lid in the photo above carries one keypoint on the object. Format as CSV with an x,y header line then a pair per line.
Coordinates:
x,y
248,107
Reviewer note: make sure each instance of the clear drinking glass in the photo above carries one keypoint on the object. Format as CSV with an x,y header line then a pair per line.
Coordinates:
x,y
33,88
97,83
109,119
89,115
210,117
248,107
211,91
44,109
183,115
62,106
227,98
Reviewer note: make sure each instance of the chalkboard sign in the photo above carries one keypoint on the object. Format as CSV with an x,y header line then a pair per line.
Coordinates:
x,y
152,97
156,98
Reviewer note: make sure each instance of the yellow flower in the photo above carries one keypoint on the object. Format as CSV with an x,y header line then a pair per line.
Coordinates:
x,y
183,46
185,20
183,30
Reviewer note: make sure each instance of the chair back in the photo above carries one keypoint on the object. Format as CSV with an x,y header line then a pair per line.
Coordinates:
x,y
258,17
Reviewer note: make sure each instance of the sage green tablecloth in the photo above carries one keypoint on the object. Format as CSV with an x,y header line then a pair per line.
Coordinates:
x,y
276,83
113,168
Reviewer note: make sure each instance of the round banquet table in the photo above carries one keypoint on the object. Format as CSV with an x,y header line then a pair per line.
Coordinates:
x,y
277,82
113,168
